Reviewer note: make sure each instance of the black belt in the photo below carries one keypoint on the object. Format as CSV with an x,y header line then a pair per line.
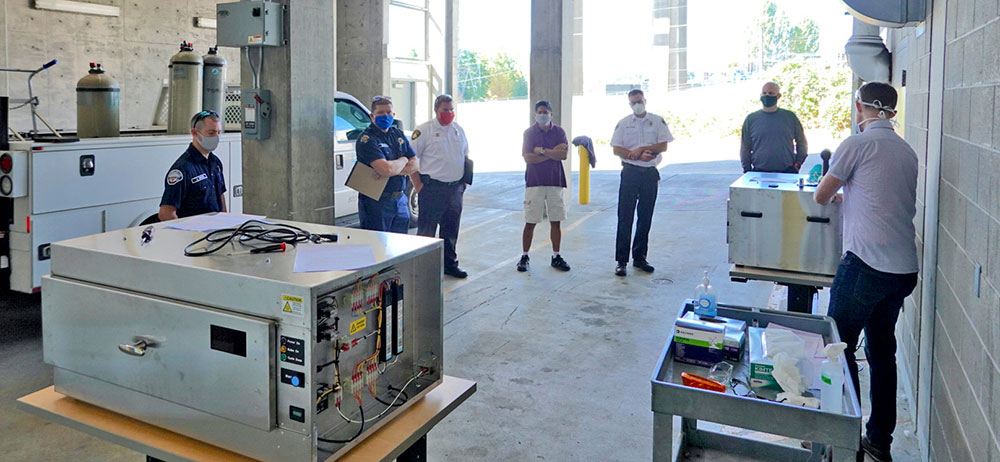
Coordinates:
x,y
426,179
626,164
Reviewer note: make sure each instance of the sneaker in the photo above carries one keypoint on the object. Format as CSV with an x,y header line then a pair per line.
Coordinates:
x,y
620,269
877,454
455,272
559,264
643,265
522,265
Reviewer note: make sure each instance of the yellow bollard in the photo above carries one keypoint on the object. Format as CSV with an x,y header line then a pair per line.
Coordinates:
x,y
584,176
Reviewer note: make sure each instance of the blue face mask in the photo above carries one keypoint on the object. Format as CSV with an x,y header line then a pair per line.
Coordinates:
x,y
383,121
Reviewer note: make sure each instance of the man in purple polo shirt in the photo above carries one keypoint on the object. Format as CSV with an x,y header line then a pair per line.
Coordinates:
x,y
545,147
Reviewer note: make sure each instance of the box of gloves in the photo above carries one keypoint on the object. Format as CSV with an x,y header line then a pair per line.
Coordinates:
x,y
699,342
735,333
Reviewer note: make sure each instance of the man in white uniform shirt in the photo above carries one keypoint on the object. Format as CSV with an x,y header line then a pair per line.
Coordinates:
x,y
441,148
878,172
640,140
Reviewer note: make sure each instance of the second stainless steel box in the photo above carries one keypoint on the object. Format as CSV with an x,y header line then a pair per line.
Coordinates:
x,y
773,223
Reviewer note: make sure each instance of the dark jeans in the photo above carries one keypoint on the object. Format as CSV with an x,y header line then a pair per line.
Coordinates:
x,y
637,191
440,204
386,214
863,298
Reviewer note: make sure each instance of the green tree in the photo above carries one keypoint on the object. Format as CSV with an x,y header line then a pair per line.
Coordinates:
x,y
770,35
819,94
506,79
804,38
473,75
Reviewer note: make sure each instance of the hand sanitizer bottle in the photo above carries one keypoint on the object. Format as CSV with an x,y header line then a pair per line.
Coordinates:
x,y
706,299
831,376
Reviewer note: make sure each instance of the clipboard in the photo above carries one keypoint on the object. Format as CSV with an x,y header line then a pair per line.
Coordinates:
x,y
364,180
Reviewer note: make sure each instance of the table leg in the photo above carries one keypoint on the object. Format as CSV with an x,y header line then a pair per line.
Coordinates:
x,y
800,298
416,452
663,437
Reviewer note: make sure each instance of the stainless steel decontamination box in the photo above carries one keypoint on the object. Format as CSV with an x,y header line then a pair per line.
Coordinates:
x,y
773,223
236,349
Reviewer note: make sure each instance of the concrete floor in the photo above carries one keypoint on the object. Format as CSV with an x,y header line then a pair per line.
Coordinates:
x,y
563,360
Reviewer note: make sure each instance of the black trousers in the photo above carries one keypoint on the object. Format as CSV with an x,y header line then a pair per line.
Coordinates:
x,y
440,204
637,192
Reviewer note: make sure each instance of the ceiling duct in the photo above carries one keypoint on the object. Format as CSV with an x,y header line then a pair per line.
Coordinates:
x,y
888,13
867,55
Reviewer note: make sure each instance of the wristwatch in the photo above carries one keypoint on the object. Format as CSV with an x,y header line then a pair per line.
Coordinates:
x,y
543,151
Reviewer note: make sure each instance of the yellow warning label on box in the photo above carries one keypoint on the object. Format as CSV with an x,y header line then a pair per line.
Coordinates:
x,y
359,325
293,305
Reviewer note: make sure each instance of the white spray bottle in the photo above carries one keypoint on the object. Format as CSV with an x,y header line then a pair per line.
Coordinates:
x,y
706,299
831,375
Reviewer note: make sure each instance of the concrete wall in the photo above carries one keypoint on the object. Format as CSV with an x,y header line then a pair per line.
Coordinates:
x,y
135,49
965,414
965,417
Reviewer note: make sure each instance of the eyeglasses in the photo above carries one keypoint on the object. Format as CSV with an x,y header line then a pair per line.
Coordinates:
x,y
202,115
380,98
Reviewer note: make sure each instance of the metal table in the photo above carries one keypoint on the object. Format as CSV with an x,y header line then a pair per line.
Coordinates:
x,y
826,430
801,286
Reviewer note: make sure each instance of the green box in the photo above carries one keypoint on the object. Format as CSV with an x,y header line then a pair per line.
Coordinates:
x,y
760,365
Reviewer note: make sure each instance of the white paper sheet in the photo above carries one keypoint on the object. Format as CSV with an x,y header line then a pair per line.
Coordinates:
x,y
207,223
332,257
814,342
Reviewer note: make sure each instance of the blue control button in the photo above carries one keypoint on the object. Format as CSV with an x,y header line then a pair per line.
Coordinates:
x,y
295,381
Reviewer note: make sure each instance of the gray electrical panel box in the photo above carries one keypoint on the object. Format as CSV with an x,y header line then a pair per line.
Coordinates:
x,y
256,107
250,24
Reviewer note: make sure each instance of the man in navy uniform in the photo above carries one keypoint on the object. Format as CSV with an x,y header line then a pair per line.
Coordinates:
x,y
386,150
195,184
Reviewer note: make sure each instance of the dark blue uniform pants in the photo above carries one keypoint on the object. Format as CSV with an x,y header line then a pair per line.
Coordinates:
x,y
441,205
863,298
386,214
637,191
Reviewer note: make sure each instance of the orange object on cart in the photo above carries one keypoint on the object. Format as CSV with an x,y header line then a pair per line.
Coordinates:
x,y
698,381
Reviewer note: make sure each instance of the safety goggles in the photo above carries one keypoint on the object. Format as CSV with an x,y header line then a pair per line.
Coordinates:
x,y
202,115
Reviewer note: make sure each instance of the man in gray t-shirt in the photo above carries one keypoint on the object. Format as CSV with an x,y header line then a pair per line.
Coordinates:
x,y
878,172
772,139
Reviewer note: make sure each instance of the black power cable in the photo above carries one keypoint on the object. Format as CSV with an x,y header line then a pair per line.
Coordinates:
x,y
360,431
254,230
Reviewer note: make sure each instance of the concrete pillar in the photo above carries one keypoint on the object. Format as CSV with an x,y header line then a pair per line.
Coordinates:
x,y
551,72
362,57
290,175
451,48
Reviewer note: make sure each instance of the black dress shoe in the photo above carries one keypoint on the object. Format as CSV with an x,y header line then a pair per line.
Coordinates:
x,y
875,452
559,264
620,270
456,272
643,265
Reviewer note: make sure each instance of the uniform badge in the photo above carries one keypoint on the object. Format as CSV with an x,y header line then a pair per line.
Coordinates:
x,y
198,178
174,176
415,135
400,140
364,138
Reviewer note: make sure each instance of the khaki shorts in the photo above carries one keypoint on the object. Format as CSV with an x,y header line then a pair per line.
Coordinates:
x,y
541,202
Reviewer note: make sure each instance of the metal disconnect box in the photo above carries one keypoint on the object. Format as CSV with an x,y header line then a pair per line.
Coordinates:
x,y
249,24
774,223
238,350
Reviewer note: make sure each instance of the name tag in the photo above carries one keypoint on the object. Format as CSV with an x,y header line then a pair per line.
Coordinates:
x,y
199,178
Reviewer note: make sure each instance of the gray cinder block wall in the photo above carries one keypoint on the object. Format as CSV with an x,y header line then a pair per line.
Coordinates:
x,y
135,48
965,416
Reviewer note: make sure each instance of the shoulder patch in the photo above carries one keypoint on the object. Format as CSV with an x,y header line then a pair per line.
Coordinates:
x,y
415,135
174,176
364,139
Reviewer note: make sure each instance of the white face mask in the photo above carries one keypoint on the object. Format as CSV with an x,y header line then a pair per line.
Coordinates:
x,y
638,108
543,119
208,143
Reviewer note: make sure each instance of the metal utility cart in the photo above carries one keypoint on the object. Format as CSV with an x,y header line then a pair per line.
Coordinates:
x,y
841,432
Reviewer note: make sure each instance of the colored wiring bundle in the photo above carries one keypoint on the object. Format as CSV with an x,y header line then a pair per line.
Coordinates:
x,y
253,231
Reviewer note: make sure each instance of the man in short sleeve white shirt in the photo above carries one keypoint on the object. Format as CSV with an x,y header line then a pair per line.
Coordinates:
x,y
442,149
878,172
640,139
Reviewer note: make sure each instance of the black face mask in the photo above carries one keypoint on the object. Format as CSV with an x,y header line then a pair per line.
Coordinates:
x,y
768,101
